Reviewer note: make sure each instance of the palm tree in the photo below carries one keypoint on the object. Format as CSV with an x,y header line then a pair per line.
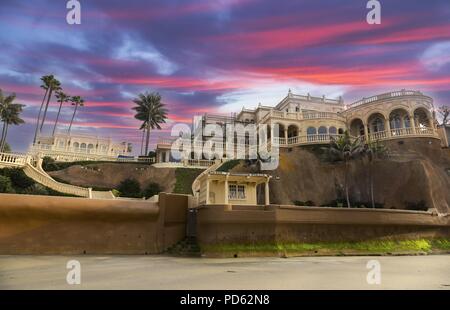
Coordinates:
x,y
346,148
10,115
373,150
77,102
53,85
151,111
143,128
45,85
62,97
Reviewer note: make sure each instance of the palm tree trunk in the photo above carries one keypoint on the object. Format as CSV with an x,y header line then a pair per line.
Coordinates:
x,y
57,118
3,134
73,116
371,185
346,184
142,141
46,108
147,141
4,139
39,116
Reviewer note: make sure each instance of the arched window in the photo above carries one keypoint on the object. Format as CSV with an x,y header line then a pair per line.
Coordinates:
x,y
90,148
311,131
396,121
323,130
83,147
341,131
377,124
332,130
311,134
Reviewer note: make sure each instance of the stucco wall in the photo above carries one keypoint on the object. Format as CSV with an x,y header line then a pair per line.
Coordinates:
x,y
244,224
66,225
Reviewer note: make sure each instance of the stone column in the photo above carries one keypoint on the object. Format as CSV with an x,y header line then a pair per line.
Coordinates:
x,y
226,191
366,131
207,191
412,121
387,127
285,136
266,193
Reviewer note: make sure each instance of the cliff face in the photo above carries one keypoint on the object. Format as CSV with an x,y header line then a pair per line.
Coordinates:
x,y
417,172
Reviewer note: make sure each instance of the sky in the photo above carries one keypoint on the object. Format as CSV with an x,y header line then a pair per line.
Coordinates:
x,y
214,56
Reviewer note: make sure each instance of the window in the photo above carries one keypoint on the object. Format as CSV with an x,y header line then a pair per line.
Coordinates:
x,y
322,130
236,191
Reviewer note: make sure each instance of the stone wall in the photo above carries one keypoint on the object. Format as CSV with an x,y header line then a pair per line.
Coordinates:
x,y
66,225
220,224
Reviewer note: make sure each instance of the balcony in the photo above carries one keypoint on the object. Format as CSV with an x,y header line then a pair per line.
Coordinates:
x,y
301,115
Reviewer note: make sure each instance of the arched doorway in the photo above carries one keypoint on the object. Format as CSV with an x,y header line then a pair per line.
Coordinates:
x,y
356,127
422,120
376,126
399,122
292,131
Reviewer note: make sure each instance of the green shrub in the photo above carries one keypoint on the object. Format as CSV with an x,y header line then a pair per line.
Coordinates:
x,y
36,189
116,193
130,188
184,179
18,178
151,190
307,203
6,185
49,164
228,165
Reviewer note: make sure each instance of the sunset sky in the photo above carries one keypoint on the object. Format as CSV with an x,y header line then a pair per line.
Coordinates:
x,y
215,56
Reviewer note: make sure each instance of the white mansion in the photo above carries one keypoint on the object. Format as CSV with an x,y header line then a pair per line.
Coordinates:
x,y
304,120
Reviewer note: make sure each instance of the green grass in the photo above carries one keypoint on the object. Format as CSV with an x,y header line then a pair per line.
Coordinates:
x,y
333,248
184,179
228,165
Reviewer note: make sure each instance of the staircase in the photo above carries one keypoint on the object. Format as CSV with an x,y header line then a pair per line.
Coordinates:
x,y
33,169
196,183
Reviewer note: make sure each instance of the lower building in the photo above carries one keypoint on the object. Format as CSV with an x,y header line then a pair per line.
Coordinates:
x,y
79,145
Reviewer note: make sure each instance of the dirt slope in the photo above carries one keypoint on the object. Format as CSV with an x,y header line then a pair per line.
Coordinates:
x,y
418,170
107,175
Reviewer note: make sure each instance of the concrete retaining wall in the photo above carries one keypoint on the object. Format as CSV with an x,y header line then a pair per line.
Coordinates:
x,y
242,224
66,225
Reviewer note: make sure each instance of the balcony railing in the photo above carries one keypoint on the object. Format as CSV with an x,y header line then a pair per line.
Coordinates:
x,y
403,132
302,115
385,96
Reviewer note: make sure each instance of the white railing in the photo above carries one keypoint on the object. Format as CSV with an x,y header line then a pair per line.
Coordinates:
x,y
302,115
321,115
74,156
385,96
49,182
403,132
380,135
11,159
199,162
